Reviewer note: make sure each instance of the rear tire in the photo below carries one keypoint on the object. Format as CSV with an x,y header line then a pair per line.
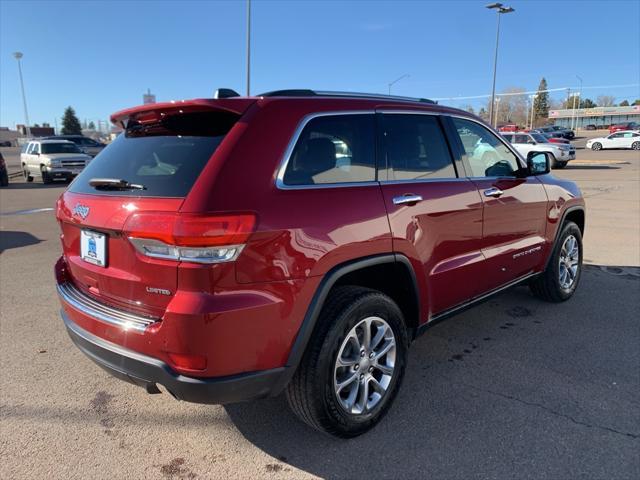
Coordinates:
x,y
561,277
345,383
560,165
596,146
635,145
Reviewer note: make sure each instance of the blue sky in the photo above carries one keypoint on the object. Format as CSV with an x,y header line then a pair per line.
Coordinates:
x,y
101,56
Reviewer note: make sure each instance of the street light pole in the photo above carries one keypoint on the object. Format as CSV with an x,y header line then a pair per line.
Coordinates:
x,y
248,47
500,9
575,127
533,101
406,75
18,57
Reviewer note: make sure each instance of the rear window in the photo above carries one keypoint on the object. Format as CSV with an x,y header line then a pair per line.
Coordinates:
x,y
60,148
165,157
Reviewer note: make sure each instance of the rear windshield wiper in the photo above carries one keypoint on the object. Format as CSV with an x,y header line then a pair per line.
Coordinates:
x,y
114,184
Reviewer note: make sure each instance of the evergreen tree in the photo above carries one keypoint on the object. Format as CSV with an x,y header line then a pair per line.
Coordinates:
x,y
587,103
70,123
624,103
92,126
541,103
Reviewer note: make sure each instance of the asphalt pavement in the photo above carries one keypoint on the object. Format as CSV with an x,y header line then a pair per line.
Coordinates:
x,y
514,388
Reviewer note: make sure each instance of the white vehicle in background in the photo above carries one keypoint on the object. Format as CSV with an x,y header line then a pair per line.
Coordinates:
x,y
52,159
525,142
623,139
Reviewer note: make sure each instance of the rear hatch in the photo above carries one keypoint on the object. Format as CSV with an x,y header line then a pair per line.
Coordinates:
x,y
148,169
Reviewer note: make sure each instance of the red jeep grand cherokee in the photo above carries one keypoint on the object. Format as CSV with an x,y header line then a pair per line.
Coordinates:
x,y
298,241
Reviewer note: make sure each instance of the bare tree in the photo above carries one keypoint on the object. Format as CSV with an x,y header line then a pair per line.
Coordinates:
x,y
605,101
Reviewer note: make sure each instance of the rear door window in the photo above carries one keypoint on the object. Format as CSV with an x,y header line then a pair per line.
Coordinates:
x,y
416,148
333,149
165,157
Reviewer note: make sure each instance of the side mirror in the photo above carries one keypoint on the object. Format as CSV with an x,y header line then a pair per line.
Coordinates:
x,y
538,163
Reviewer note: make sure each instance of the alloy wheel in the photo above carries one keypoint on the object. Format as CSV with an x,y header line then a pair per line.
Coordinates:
x,y
365,366
569,262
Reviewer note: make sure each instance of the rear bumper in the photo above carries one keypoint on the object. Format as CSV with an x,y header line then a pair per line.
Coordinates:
x,y
148,372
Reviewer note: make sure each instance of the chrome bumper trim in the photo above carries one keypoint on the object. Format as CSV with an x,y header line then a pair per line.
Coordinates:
x,y
104,313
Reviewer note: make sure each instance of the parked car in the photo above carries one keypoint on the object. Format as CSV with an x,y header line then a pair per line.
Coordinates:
x,y
509,128
525,143
591,126
52,159
624,139
312,274
86,144
4,175
553,137
558,131
619,127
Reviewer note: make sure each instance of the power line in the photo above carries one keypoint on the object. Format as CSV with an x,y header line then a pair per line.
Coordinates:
x,y
562,89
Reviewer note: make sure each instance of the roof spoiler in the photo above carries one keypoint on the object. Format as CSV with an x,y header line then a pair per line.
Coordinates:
x,y
153,112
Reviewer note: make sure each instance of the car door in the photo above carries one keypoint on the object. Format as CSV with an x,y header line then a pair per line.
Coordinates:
x,y
614,140
524,144
32,157
514,206
627,139
435,214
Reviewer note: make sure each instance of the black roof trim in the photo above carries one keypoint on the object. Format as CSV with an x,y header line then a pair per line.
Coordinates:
x,y
314,93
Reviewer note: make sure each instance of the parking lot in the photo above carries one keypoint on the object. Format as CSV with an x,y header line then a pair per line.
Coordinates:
x,y
514,388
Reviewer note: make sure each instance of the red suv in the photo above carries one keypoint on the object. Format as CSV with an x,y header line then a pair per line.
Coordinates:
x,y
235,248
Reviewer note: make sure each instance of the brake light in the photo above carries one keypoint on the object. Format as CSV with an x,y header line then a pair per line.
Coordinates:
x,y
190,237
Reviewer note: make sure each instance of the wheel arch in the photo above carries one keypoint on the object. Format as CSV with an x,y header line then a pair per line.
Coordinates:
x,y
386,273
574,214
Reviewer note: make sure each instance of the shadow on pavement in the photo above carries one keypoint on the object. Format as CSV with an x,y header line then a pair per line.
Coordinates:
x,y
22,185
10,239
514,388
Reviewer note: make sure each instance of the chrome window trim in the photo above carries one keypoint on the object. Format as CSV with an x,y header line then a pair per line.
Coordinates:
x,y
426,180
99,311
294,140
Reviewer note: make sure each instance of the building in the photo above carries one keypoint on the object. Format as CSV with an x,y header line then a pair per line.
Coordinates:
x,y
36,131
148,98
601,117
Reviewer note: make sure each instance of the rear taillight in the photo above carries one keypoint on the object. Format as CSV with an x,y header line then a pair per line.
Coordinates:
x,y
189,237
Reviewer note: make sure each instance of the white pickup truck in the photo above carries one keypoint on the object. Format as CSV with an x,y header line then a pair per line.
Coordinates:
x,y
52,159
525,142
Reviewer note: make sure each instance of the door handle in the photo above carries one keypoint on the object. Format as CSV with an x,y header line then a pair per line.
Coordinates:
x,y
493,192
408,199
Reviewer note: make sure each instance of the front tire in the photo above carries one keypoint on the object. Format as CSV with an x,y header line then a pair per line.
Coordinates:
x,y
596,146
27,175
46,178
561,277
635,145
354,363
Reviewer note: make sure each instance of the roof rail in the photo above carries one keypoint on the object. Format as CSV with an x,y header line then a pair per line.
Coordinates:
x,y
315,93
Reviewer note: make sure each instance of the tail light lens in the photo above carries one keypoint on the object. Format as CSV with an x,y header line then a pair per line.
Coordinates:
x,y
189,237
